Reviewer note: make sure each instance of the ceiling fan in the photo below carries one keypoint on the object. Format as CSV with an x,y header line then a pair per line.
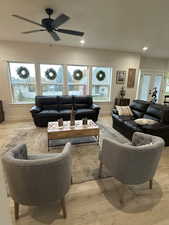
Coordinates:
x,y
51,25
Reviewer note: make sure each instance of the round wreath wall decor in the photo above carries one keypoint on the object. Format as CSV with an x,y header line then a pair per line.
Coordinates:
x,y
23,72
77,74
50,74
100,75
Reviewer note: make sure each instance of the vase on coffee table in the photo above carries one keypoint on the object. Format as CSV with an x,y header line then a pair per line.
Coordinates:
x,y
72,118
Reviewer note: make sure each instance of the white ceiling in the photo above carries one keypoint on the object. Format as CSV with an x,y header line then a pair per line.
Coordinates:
x,y
125,25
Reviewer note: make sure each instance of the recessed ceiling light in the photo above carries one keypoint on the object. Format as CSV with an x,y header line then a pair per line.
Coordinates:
x,y
82,42
145,48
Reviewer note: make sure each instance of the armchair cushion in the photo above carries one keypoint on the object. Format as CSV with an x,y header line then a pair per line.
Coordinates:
x,y
140,139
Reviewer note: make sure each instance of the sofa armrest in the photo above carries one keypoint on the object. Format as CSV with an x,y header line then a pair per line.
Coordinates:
x,y
35,109
114,111
95,107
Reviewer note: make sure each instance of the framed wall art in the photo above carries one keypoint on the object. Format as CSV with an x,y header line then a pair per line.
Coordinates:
x,y
120,76
131,77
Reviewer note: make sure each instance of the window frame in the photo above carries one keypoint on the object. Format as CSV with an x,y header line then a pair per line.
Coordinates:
x,y
109,86
38,83
87,74
40,80
10,81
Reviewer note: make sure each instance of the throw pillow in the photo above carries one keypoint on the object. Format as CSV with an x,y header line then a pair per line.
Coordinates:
x,y
145,121
124,110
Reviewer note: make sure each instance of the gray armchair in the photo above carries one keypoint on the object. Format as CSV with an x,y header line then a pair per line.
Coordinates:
x,y
37,179
135,163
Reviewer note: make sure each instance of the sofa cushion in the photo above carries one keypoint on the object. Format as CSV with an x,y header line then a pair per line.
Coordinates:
x,y
42,101
154,110
121,118
81,102
165,115
84,111
48,113
156,128
132,125
66,102
65,111
139,105
50,107
147,116
137,114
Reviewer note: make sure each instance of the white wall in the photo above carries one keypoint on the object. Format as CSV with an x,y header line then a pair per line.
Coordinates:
x,y
43,53
155,64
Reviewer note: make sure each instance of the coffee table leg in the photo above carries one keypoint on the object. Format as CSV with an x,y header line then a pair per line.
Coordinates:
x,y
98,139
48,144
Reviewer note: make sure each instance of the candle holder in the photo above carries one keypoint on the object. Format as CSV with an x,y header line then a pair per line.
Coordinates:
x,y
60,122
72,118
84,121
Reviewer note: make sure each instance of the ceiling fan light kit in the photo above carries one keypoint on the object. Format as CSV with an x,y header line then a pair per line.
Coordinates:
x,y
51,25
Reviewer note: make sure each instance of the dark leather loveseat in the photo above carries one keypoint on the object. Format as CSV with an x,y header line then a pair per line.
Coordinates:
x,y
142,109
52,108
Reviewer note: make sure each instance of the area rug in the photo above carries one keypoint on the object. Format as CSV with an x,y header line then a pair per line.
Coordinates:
x,y
85,163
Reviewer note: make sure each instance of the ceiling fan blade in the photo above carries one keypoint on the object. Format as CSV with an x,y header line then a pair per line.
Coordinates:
x,y
28,20
54,36
32,31
72,32
61,19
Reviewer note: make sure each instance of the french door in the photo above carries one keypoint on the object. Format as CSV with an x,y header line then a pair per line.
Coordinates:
x,y
149,81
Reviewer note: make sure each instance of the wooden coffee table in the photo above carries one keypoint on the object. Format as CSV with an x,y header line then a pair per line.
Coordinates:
x,y
79,130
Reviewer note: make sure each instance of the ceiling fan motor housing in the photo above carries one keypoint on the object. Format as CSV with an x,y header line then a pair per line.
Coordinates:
x,y
48,23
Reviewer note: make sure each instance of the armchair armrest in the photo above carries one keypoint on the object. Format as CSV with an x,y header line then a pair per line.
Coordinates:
x,y
95,107
35,109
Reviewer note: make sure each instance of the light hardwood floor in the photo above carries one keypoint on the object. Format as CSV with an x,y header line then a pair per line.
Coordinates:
x,y
97,202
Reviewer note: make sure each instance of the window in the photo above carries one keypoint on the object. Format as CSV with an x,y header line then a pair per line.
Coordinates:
x,y
77,79
101,83
51,79
22,82
167,83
